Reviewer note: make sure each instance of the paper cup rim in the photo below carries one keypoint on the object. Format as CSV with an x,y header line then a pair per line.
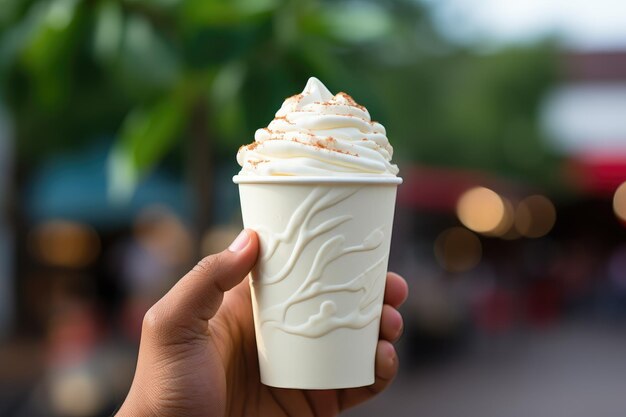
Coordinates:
x,y
244,179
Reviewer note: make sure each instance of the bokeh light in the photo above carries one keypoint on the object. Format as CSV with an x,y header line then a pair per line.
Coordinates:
x,y
76,393
619,202
535,216
457,249
65,243
481,210
505,228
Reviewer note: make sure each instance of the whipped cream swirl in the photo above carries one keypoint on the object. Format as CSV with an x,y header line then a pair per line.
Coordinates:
x,y
317,134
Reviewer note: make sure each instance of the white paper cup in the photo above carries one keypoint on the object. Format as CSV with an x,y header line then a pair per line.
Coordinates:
x,y
318,285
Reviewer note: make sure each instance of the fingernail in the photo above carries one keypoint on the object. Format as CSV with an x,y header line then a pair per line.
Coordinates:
x,y
240,242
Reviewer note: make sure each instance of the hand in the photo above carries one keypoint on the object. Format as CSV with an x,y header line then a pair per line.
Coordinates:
x,y
197,355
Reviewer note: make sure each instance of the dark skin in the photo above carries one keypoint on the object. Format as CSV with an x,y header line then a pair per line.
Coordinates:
x,y
198,356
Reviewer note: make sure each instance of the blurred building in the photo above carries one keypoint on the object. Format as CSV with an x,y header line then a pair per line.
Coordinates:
x,y
585,116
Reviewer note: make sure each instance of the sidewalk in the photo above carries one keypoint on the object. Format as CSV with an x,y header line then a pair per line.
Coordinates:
x,y
576,370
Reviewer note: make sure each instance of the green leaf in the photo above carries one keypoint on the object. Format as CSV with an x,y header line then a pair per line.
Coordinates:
x,y
228,82
9,9
222,13
147,59
156,4
15,38
229,121
146,136
47,53
355,21
121,175
108,31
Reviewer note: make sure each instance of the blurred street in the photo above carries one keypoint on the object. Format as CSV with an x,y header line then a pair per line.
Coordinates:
x,y
575,370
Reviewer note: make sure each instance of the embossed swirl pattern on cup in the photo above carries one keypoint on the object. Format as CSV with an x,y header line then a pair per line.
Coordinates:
x,y
299,232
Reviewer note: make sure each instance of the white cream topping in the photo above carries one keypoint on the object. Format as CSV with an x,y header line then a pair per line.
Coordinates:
x,y
317,134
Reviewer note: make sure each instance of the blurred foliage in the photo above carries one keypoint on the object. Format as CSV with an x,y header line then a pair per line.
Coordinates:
x,y
73,70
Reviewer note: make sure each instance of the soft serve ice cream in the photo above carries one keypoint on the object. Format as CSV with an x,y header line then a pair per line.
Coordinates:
x,y
318,187
317,134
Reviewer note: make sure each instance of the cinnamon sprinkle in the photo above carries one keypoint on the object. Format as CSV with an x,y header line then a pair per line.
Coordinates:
x,y
251,146
283,118
319,144
351,101
257,162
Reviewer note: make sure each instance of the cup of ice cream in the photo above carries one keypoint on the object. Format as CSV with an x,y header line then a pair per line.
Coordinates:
x,y
319,188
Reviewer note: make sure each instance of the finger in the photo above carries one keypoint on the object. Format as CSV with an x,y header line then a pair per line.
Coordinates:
x,y
391,324
386,370
197,296
396,290
386,365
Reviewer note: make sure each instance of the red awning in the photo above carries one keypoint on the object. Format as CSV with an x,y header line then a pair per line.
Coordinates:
x,y
597,174
438,189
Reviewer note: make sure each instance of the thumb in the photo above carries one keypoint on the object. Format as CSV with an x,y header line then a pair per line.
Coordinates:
x,y
197,296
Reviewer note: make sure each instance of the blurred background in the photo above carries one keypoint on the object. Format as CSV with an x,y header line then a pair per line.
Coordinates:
x,y
119,124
